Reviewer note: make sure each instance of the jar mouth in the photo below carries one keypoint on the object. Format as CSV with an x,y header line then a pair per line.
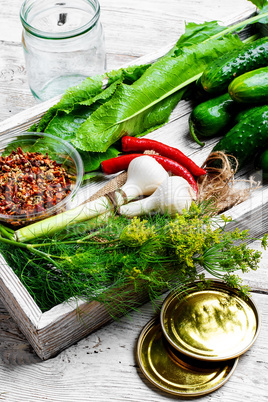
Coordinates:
x,y
28,7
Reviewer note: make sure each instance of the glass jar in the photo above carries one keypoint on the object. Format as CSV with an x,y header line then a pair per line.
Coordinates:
x,y
63,44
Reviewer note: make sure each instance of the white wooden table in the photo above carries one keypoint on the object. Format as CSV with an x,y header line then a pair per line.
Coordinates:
x,y
102,366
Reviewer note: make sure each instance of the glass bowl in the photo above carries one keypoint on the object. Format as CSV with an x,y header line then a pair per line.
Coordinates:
x,y
57,150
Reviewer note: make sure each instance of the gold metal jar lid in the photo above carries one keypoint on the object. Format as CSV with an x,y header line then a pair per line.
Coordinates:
x,y
175,373
209,322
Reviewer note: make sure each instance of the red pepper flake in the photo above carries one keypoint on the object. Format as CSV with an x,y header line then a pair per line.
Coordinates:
x,y
31,182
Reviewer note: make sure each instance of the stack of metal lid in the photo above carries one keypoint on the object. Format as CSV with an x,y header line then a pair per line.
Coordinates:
x,y
192,348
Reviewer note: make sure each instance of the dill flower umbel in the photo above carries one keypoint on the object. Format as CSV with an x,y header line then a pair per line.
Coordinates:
x,y
137,233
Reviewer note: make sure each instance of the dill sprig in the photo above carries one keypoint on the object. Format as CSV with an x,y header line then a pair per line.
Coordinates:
x,y
125,259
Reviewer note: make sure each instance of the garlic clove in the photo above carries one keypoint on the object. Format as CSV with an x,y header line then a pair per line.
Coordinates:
x,y
175,195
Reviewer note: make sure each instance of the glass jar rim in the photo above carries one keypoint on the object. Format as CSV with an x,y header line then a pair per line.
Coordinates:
x,y
59,35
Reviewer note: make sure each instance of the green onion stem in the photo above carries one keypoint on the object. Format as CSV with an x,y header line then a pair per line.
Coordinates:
x,y
8,233
57,223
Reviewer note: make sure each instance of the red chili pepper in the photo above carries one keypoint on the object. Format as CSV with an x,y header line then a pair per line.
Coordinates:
x,y
115,165
134,144
119,163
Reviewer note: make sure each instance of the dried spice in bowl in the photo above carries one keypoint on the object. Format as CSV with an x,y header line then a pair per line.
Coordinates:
x,y
31,182
40,175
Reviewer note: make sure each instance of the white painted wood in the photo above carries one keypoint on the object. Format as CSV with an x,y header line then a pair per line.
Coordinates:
x,y
102,366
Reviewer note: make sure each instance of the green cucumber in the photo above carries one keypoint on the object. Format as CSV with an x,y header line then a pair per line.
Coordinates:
x,y
219,74
247,137
245,112
211,117
251,87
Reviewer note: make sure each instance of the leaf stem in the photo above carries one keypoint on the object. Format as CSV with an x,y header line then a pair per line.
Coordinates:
x,y
251,39
80,241
238,25
29,247
89,236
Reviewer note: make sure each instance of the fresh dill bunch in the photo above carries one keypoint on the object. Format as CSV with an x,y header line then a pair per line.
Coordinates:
x,y
124,259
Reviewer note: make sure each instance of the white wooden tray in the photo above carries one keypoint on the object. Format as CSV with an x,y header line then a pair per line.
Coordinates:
x,y
63,325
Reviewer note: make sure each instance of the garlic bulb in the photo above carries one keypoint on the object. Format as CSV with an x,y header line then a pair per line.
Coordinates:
x,y
172,196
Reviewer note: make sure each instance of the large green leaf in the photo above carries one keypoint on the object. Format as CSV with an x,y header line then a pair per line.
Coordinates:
x,y
127,110
65,123
196,33
90,87
89,91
